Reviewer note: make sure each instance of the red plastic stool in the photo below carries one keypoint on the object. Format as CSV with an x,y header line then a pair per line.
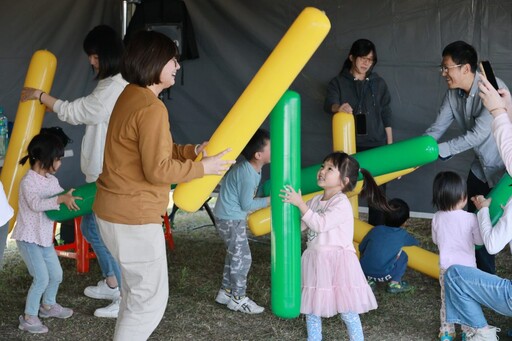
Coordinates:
x,y
80,248
168,231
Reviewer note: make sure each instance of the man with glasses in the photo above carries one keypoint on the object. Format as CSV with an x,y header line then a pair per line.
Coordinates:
x,y
463,105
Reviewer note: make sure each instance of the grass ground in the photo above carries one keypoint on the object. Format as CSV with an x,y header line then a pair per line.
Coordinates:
x,y
195,273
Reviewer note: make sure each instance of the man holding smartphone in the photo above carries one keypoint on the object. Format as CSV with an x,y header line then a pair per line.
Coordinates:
x,y
463,105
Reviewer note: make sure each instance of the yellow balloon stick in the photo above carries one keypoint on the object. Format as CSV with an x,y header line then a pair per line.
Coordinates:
x,y
261,95
27,124
419,259
344,140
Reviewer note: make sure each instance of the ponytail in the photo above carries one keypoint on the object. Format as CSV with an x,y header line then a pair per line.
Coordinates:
x,y
373,193
24,160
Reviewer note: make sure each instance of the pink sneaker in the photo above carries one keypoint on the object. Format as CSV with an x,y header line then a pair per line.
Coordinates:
x,y
32,325
55,311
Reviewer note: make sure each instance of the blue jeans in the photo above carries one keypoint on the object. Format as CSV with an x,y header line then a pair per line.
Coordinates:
x,y
4,231
44,267
396,273
107,263
466,289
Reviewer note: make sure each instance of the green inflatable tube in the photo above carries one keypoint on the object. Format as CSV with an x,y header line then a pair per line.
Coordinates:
x,y
413,152
87,192
500,195
285,234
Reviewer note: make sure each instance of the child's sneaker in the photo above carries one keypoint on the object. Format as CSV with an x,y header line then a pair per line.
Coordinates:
x,y
32,325
245,305
223,297
446,336
102,291
372,284
396,288
55,311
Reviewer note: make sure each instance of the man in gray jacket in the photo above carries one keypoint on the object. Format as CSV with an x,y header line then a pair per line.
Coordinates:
x,y
463,105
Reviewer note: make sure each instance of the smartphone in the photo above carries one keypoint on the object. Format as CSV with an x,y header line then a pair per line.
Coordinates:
x,y
486,69
360,120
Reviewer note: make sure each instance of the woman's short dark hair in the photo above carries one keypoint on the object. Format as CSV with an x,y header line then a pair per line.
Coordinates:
x,y
105,42
360,48
146,55
45,148
448,190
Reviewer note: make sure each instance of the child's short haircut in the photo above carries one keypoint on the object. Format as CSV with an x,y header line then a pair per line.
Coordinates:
x,y
57,131
45,148
448,190
399,215
256,144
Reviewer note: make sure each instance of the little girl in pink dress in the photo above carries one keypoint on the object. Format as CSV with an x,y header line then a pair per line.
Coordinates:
x,y
332,279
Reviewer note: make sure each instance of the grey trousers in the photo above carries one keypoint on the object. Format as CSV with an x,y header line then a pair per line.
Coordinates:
x,y
238,255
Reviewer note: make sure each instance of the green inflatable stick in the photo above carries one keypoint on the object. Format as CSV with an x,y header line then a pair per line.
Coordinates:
x,y
285,233
413,152
500,194
87,192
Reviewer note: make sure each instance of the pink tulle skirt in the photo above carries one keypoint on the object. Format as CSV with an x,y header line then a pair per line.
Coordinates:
x,y
333,282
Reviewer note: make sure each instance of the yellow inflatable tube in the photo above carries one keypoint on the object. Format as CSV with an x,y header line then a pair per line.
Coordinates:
x,y
344,139
343,136
259,222
419,259
27,124
261,95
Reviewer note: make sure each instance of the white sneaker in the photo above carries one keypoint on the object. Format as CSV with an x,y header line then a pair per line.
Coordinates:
x,y
245,305
485,334
111,311
223,297
102,291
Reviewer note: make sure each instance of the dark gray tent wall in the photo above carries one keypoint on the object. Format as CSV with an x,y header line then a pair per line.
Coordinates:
x,y
234,38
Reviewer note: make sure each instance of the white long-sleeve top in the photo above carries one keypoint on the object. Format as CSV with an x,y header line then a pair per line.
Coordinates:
x,y
94,111
495,238
37,195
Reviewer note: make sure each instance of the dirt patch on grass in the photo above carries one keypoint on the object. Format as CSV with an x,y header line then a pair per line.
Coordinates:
x,y
195,271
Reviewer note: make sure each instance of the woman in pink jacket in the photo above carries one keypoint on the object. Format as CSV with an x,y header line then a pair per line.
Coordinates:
x,y
467,289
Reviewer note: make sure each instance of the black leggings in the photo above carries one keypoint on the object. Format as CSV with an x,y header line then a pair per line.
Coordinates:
x,y
484,261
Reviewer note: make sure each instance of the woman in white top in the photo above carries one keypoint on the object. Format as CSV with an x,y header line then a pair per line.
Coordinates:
x,y
104,47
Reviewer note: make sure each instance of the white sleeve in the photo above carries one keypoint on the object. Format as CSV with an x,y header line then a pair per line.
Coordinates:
x,y
497,237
